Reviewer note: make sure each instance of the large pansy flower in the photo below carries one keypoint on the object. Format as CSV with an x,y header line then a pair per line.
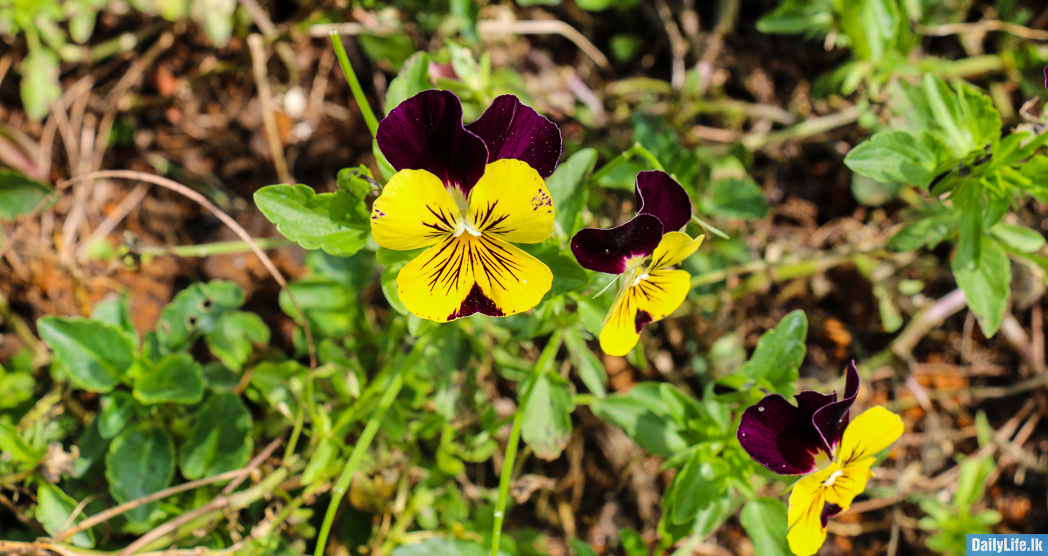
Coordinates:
x,y
467,193
814,438
642,250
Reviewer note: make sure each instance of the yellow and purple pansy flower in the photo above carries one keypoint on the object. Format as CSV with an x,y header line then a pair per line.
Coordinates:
x,y
467,192
642,250
815,439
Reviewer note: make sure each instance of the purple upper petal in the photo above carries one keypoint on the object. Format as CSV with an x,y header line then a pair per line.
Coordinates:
x,y
609,250
832,419
425,132
780,436
662,197
513,130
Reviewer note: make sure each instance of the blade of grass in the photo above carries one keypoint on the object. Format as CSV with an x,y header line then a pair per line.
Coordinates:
x,y
354,84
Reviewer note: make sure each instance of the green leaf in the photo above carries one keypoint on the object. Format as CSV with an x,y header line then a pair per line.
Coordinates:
x,y
234,335
117,410
220,440
412,79
140,461
764,520
95,354
115,311
1019,238
394,49
176,378
19,194
53,509
632,543
793,17
322,463
40,85
546,424
443,547
643,416
335,222
12,443
196,310
985,284
565,186
589,367
581,548
736,198
568,275
216,17
972,481
897,156
279,382
699,483
978,116
779,354
930,230
17,386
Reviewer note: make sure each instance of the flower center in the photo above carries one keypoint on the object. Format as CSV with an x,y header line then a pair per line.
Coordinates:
x,y
640,276
464,223
833,477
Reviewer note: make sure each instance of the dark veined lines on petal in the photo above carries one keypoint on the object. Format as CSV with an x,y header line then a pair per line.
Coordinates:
x,y
488,221
496,262
445,274
445,223
445,270
649,288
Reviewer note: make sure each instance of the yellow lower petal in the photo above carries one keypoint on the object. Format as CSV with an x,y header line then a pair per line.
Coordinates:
x,y
511,278
869,433
674,248
414,210
660,292
620,334
804,516
850,483
468,274
511,202
433,285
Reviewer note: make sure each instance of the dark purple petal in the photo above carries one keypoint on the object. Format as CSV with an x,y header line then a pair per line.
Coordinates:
x,y
609,250
425,132
477,302
662,197
642,318
832,419
780,436
513,130
829,511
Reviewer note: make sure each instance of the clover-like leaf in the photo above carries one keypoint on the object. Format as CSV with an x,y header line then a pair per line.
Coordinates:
x,y
779,354
95,354
53,510
220,440
176,378
140,461
336,222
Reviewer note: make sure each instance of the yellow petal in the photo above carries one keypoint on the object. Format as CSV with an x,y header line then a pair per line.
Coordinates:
x,y
674,248
512,203
413,211
620,333
435,284
511,279
850,483
805,513
661,292
464,275
868,434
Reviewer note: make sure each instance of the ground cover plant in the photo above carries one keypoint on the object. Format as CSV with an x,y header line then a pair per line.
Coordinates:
x,y
463,277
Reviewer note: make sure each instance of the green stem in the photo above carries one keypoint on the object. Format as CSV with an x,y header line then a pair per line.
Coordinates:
x,y
354,84
506,476
636,149
364,442
709,227
217,248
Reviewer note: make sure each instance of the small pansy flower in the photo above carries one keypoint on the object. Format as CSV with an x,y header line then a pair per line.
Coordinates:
x,y
814,438
466,193
642,250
